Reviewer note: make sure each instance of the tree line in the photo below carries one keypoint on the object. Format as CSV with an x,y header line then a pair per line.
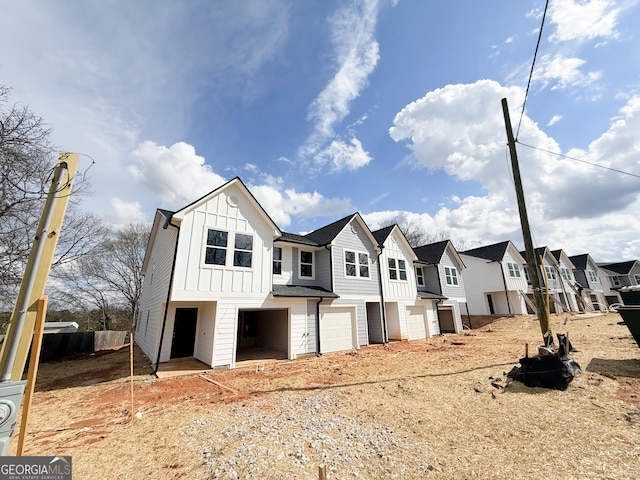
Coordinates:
x,y
95,277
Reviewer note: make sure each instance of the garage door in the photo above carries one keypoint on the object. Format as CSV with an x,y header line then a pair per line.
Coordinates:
x,y
415,323
336,329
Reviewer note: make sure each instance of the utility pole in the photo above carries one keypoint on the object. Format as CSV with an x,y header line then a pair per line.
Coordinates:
x,y
543,318
15,348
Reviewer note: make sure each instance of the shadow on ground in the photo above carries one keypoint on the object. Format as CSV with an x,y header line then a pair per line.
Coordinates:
x,y
629,367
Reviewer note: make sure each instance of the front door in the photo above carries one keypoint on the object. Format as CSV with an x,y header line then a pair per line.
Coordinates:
x,y
184,332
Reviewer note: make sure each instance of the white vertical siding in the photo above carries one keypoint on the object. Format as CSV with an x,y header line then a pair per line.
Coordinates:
x,y
397,289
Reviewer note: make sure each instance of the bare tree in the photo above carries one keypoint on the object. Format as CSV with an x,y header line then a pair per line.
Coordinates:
x,y
26,165
108,279
417,237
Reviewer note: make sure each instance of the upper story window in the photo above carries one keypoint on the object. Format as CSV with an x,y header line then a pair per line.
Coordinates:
x,y
566,273
551,273
277,261
514,270
243,250
420,276
637,278
356,264
593,278
526,274
306,264
451,275
397,269
615,281
216,250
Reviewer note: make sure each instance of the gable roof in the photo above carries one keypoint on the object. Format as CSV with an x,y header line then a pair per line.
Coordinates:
x,y
179,214
623,268
492,252
539,252
580,261
325,235
432,252
381,234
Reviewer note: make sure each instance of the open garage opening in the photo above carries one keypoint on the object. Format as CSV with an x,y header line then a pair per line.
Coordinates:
x,y
262,335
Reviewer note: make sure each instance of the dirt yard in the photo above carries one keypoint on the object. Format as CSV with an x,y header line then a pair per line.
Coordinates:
x,y
435,409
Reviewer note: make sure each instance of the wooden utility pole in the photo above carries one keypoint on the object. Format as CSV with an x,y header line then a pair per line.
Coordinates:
x,y
15,347
543,318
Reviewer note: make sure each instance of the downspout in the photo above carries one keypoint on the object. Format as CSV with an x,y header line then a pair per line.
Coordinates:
x,y
166,308
328,247
383,310
318,353
506,291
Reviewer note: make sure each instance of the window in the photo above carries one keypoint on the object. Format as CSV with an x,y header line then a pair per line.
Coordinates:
x,y
637,278
393,272
397,269
420,276
306,264
402,270
615,281
277,261
243,250
514,270
356,264
216,250
593,278
551,273
451,275
566,273
526,274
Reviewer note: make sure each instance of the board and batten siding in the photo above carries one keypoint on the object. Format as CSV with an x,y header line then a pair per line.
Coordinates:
x,y
230,211
397,289
480,276
286,277
154,293
353,238
514,283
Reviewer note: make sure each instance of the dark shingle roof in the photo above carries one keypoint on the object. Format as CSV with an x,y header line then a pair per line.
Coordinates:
x,y
295,238
580,261
300,291
623,268
431,296
432,252
556,254
493,252
537,252
326,234
381,234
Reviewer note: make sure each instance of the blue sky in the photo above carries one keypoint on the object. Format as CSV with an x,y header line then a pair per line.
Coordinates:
x,y
324,108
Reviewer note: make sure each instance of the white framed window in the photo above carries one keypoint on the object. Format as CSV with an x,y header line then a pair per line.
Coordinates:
x,y
615,281
420,276
397,269
636,277
356,264
550,271
277,261
514,270
566,273
402,270
306,264
593,278
451,276
526,274
216,249
243,250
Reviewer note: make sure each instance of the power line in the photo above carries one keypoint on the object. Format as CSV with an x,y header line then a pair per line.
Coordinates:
x,y
578,160
526,94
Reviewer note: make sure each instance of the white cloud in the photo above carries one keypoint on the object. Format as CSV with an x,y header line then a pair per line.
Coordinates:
x,y
176,174
356,56
343,156
562,72
460,128
555,119
125,212
583,20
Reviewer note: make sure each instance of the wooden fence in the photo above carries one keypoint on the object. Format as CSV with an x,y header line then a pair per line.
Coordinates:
x,y
59,345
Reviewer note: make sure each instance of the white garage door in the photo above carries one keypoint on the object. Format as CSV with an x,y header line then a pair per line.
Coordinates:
x,y
336,329
415,323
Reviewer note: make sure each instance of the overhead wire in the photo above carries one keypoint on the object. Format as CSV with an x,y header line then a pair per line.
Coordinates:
x,y
535,54
579,160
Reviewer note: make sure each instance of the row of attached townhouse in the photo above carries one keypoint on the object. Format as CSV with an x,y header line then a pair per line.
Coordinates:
x,y
223,283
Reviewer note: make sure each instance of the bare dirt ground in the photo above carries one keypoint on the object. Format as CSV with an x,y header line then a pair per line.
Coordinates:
x,y
440,408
